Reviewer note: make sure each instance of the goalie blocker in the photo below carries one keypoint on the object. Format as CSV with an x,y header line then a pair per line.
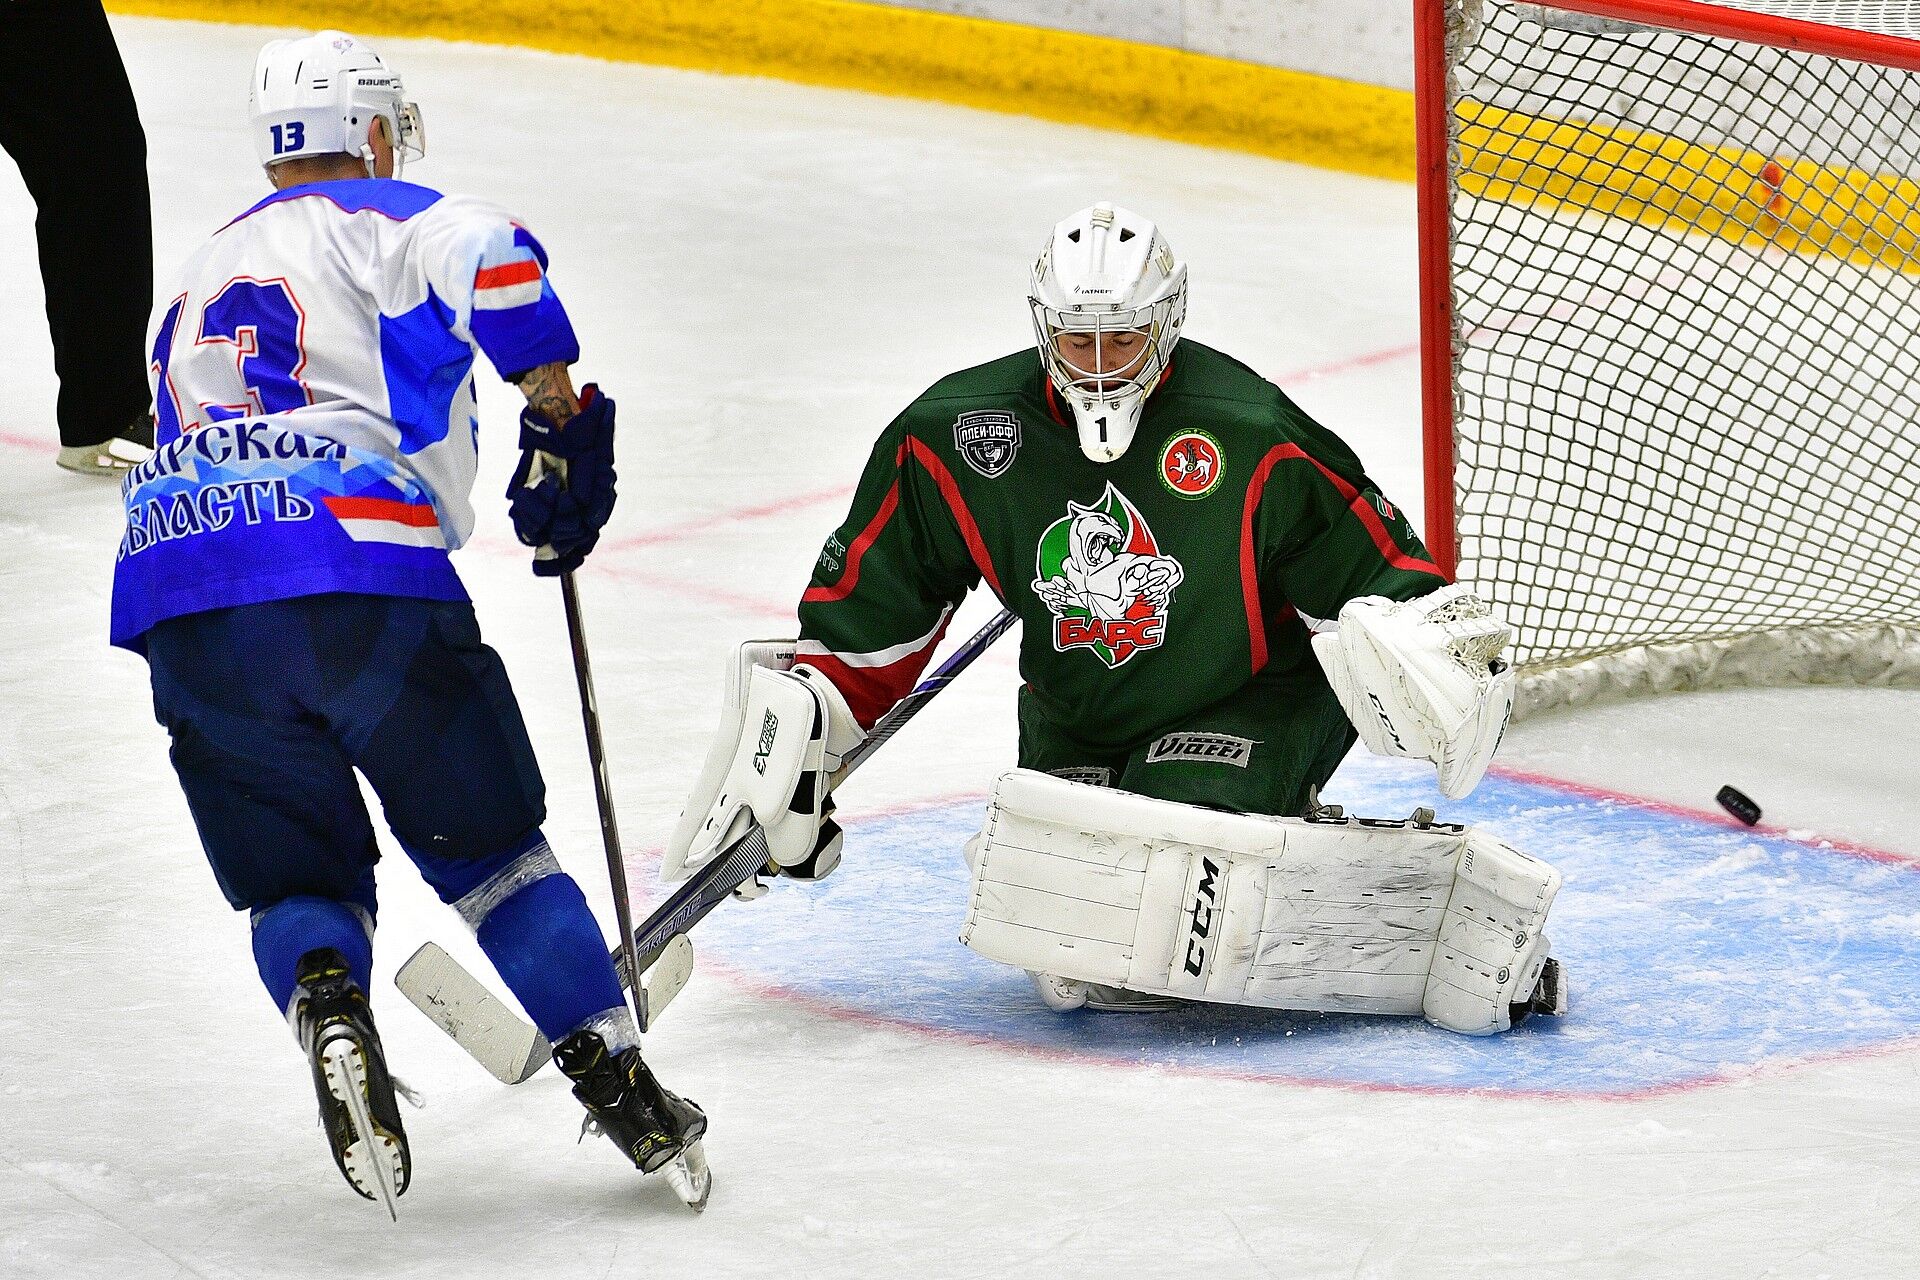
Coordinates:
x,y
783,733
1336,915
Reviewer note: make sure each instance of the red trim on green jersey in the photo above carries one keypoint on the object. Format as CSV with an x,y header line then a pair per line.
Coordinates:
x,y
1356,502
871,692
851,576
1053,403
1249,566
969,530
962,518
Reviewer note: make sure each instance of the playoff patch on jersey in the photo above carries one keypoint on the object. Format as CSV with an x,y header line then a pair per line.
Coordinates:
x,y
988,439
1192,464
1100,571
1202,748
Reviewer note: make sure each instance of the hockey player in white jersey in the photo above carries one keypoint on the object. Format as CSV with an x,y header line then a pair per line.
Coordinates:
x,y
285,572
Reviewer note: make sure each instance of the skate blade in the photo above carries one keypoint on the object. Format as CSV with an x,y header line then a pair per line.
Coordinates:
x,y
373,1158
690,1176
1120,1000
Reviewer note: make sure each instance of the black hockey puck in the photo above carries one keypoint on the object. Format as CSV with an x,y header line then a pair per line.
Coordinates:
x,y
1739,804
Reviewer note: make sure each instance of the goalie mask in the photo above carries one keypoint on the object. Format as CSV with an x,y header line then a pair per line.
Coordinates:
x,y
316,96
1108,299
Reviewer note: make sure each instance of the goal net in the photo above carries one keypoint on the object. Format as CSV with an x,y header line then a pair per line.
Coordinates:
x,y
1671,330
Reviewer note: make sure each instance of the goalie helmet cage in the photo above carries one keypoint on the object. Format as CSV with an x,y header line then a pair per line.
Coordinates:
x,y
1670,283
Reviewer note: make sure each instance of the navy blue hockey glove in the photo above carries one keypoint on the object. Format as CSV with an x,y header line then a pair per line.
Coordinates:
x,y
564,509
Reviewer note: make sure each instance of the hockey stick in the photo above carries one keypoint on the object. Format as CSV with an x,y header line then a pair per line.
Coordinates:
x,y
479,1022
624,958
688,1172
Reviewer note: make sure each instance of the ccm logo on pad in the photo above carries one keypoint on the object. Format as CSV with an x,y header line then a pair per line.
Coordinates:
x,y
1208,748
1386,722
1201,917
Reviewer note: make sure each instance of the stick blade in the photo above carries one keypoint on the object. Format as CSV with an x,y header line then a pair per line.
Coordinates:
x,y
667,978
497,1038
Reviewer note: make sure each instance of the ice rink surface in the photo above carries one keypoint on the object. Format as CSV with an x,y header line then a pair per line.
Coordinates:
x,y
763,274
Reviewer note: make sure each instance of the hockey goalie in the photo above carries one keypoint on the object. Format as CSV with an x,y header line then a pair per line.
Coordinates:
x,y
1215,601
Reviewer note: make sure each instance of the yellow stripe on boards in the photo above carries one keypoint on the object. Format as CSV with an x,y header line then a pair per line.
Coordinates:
x,y
1055,75
1730,192
1868,219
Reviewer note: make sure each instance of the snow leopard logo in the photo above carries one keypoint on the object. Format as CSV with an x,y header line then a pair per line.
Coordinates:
x,y
1099,569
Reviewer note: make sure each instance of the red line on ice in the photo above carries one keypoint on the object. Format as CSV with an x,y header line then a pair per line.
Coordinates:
x,y
1799,835
761,987
1347,364
700,524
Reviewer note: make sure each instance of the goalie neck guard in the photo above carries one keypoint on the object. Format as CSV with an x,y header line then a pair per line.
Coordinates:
x,y
1107,271
316,96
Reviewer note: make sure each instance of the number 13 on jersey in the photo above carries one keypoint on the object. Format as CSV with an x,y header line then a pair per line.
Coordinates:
x,y
265,327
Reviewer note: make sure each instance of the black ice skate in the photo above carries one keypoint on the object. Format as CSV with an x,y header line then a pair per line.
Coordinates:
x,y
654,1128
1549,995
357,1106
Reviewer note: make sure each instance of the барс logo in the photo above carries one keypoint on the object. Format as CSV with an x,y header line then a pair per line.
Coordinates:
x,y
1099,569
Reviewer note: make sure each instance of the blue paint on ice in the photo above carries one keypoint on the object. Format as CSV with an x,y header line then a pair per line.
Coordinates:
x,y
1694,951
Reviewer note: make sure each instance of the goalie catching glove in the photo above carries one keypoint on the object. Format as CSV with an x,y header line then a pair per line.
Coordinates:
x,y
1424,679
783,731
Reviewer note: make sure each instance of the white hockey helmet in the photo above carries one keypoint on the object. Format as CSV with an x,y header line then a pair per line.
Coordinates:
x,y
317,95
1105,271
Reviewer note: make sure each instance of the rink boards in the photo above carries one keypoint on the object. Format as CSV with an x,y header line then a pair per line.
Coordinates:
x,y
1699,953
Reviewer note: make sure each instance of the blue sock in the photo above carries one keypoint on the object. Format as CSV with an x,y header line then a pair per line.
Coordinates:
x,y
290,928
535,926
547,946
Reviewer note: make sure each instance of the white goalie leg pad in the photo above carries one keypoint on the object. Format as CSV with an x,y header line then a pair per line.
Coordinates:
x,y
1340,916
776,655
1492,947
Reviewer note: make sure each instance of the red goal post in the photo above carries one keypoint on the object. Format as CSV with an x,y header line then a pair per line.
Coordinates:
x,y
1670,329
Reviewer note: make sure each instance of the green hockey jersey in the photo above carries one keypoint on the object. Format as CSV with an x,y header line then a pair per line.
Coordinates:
x,y
1146,587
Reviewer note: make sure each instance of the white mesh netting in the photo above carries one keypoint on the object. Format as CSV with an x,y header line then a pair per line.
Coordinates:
x,y
1686,287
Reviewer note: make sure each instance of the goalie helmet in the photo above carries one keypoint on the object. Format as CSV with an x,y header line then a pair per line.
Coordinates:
x,y
1107,271
316,96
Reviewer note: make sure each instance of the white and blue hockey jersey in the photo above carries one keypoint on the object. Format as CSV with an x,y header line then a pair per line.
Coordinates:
x,y
312,380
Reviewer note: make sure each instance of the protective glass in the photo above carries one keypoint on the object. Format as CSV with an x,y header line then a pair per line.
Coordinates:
x,y
412,140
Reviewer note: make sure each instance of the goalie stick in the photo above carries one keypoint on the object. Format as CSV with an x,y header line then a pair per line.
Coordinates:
x,y
479,1022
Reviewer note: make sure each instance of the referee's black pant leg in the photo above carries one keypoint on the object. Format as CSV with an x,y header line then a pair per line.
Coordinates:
x,y
68,119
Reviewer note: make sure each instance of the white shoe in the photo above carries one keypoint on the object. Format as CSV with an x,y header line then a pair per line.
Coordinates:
x,y
112,457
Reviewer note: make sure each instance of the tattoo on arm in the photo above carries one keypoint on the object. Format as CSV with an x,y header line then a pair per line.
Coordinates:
x,y
549,391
